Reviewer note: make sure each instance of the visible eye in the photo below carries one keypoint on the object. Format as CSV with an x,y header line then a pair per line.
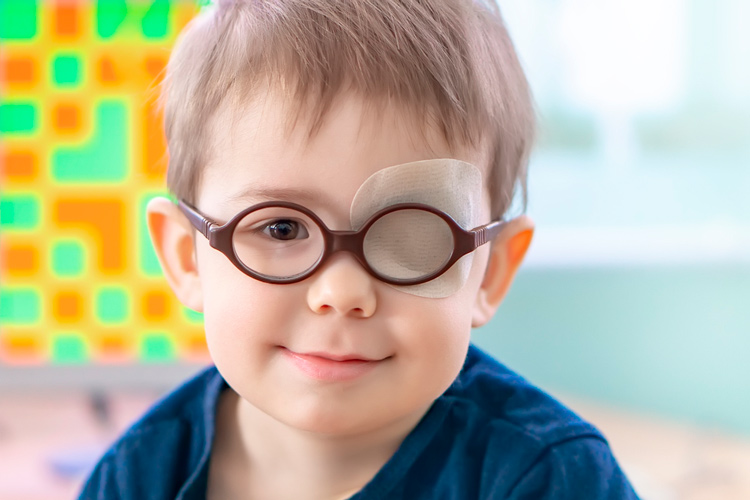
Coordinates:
x,y
285,229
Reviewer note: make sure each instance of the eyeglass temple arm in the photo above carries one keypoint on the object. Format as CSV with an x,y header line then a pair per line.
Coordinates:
x,y
487,232
196,219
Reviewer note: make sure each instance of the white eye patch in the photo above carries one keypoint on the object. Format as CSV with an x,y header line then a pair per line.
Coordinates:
x,y
450,185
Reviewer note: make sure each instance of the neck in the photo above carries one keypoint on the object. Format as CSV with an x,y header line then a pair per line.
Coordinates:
x,y
316,465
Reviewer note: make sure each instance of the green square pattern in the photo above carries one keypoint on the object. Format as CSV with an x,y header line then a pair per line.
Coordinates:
x,y
69,348
19,307
157,347
18,19
68,258
109,16
155,23
19,212
112,305
109,145
66,70
18,118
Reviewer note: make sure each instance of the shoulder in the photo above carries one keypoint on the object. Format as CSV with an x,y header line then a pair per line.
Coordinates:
x,y
522,442
489,392
572,469
160,452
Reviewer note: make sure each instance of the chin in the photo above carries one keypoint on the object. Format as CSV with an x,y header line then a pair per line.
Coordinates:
x,y
329,422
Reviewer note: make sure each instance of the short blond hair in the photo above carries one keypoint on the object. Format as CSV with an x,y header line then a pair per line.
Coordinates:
x,y
450,61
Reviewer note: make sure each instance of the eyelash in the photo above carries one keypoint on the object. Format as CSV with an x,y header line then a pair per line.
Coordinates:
x,y
265,228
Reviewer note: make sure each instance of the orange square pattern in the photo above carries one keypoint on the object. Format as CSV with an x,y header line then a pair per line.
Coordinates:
x,y
22,260
18,166
67,118
68,306
21,347
67,22
156,305
114,346
19,70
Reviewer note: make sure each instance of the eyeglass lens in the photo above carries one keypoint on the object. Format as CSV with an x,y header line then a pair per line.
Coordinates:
x,y
408,244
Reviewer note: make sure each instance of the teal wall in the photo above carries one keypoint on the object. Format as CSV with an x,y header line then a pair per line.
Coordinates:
x,y
669,341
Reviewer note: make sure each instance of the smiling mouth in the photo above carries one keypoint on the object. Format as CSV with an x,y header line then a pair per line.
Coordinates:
x,y
331,368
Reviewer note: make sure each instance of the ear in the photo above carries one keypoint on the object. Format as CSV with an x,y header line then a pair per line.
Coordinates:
x,y
172,238
506,254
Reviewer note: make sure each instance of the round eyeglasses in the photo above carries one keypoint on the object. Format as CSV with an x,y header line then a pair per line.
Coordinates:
x,y
282,242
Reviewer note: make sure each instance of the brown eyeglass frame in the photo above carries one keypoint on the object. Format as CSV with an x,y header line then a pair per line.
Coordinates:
x,y
220,237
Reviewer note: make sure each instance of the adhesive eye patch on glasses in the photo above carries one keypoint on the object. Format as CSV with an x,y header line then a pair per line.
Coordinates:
x,y
450,185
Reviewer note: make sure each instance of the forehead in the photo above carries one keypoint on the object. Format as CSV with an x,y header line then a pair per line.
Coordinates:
x,y
255,156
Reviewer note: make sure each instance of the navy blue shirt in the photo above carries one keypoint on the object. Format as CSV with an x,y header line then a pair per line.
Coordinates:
x,y
491,435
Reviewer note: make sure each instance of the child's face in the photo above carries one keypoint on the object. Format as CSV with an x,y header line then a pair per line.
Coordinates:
x,y
281,347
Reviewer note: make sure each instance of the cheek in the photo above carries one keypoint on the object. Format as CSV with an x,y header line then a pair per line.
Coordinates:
x,y
478,268
236,307
433,333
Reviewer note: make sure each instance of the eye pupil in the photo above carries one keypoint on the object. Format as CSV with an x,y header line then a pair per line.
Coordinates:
x,y
284,230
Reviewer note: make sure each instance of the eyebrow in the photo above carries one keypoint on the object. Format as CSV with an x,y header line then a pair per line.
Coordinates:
x,y
296,195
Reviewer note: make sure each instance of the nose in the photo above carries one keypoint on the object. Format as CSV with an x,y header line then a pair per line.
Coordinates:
x,y
343,286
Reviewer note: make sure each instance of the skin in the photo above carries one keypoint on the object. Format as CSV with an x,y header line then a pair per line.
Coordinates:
x,y
282,433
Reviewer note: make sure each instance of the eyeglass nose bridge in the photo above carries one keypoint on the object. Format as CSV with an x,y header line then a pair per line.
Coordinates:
x,y
351,242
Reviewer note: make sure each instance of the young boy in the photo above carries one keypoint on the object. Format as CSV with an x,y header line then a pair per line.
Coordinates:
x,y
342,173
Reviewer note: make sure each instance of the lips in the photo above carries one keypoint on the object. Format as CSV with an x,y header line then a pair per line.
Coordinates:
x,y
334,357
329,367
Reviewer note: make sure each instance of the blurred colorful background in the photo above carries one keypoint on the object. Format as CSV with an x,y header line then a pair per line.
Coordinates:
x,y
633,307
82,152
